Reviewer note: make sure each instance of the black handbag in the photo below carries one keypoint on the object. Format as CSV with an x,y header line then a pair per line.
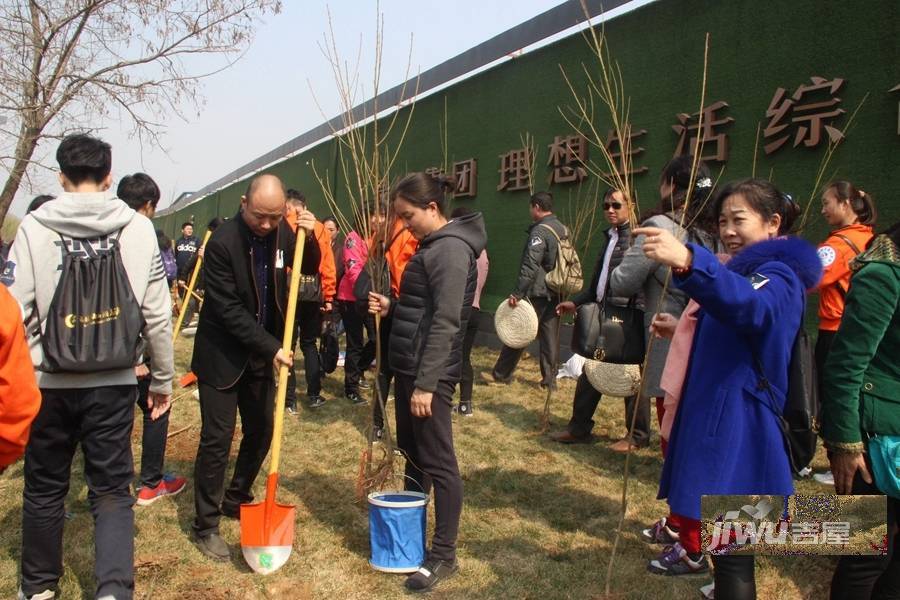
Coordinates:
x,y
610,333
310,288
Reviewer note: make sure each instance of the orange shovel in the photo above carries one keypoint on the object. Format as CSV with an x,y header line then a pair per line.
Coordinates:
x,y
267,528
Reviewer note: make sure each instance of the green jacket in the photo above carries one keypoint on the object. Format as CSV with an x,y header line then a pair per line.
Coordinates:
x,y
861,383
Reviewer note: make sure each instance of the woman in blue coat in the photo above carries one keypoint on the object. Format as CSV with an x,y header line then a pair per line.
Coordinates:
x,y
725,439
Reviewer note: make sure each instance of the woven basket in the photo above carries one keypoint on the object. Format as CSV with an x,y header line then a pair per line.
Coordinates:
x,y
613,380
516,326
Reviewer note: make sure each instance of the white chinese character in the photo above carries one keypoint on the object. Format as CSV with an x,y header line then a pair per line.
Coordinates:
x,y
836,532
805,533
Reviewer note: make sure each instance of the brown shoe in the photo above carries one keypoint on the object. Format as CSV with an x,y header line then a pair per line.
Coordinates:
x,y
623,446
564,437
487,378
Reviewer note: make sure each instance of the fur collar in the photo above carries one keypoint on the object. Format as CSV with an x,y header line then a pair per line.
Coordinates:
x,y
797,254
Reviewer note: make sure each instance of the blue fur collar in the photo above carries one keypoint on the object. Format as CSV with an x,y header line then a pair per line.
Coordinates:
x,y
799,255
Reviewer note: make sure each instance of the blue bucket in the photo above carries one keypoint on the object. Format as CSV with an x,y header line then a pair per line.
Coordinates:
x,y
397,530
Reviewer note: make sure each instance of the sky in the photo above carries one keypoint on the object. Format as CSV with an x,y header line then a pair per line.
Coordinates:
x,y
283,84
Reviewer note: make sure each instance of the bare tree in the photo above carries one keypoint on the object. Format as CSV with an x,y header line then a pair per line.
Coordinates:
x,y
69,64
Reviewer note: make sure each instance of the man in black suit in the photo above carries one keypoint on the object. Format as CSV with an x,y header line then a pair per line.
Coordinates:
x,y
238,342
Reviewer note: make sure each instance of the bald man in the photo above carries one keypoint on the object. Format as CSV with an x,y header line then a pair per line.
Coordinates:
x,y
238,343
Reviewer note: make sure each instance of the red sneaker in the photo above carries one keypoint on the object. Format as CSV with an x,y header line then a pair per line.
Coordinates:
x,y
169,486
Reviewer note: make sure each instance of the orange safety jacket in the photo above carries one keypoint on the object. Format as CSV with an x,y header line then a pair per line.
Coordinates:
x,y
402,247
20,398
836,252
327,271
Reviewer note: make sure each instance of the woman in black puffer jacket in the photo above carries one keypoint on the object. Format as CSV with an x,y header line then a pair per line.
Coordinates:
x,y
425,352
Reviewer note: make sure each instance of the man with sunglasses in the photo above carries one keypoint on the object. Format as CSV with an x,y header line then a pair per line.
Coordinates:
x,y
616,209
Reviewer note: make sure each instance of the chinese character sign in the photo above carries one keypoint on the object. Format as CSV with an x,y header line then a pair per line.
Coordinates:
x,y
709,132
465,173
515,170
624,154
810,109
568,155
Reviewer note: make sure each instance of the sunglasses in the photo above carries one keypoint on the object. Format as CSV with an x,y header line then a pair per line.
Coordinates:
x,y
612,205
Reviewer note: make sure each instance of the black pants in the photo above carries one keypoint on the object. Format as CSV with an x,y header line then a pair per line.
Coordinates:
x,y
385,375
360,351
823,347
308,330
585,403
101,420
468,375
870,577
735,577
253,395
153,439
431,460
548,339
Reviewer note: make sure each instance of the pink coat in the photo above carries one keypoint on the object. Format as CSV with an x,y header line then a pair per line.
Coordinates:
x,y
356,253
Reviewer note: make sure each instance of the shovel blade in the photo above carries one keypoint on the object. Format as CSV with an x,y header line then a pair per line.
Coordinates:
x,y
267,535
187,379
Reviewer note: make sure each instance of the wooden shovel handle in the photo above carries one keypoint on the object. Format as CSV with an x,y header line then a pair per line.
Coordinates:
x,y
286,345
190,289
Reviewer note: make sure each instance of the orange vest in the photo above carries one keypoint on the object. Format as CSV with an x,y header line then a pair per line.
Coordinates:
x,y
403,246
327,271
836,253
20,398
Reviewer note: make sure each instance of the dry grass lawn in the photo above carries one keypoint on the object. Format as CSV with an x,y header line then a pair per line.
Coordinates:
x,y
538,520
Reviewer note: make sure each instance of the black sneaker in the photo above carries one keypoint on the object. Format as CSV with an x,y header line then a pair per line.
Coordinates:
x,y
364,385
230,511
316,401
213,546
430,574
291,408
660,533
356,398
465,409
377,433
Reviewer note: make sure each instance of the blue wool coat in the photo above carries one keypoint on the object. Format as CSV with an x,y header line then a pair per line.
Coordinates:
x,y
725,440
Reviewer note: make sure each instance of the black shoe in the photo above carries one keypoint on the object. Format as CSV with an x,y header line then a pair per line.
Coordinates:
x,y
377,433
430,574
356,398
465,409
213,546
364,385
315,401
291,408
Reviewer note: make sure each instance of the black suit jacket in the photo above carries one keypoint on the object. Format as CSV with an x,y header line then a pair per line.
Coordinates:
x,y
229,339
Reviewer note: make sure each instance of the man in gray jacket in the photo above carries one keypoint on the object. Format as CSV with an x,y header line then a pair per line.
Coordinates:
x,y
538,258
94,408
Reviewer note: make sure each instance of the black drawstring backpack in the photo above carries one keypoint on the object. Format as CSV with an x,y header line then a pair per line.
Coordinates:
x,y
94,322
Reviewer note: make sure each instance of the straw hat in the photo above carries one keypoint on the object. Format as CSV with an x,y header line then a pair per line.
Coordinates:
x,y
516,326
613,380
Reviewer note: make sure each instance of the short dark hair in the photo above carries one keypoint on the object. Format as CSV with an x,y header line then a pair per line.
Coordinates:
x,y
543,200
137,190
38,202
84,158
187,224
764,198
460,211
214,223
296,196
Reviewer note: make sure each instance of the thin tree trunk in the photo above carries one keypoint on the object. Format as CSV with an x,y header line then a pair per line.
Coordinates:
x,y
24,151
